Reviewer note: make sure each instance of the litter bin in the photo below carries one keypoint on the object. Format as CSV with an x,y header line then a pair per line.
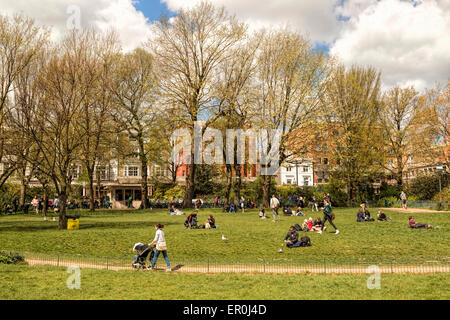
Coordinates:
x,y
73,222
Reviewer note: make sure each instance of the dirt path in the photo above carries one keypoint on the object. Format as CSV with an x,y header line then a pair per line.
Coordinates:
x,y
413,210
257,268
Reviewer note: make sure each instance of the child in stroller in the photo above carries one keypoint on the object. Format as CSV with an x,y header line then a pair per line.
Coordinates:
x,y
143,251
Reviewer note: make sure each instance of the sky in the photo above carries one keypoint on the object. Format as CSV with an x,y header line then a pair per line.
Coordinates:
x,y
407,40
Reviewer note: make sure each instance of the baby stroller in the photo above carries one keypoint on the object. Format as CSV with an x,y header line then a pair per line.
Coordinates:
x,y
143,251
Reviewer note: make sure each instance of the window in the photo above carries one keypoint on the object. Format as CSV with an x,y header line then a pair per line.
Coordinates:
x,y
119,195
76,172
158,171
305,169
138,195
289,181
288,169
132,172
325,160
306,181
102,172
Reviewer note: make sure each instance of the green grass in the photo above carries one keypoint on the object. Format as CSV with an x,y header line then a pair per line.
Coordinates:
x,y
49,283
113,234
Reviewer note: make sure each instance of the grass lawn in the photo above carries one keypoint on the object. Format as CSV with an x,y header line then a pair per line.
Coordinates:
x,y
113,234
49,283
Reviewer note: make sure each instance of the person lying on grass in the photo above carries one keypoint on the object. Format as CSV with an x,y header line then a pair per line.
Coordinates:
x,y
178,212
414,225
287,211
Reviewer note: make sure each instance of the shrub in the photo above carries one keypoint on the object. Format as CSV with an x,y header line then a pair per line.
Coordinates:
x,y
11,258
425,187
176,192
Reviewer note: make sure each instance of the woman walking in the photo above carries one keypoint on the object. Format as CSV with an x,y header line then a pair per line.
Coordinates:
x,y
327,216
161,246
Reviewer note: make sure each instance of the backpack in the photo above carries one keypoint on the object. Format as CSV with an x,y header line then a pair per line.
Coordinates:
x,y
305,241
297,227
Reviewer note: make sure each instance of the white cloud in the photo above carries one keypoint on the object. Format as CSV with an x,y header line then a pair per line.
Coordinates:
x,y
130,24
315,18
409,44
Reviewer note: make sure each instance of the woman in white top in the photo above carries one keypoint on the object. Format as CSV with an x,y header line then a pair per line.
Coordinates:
x,y
161,246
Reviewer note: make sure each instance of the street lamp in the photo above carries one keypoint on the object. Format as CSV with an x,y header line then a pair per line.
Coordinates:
x,y
439,170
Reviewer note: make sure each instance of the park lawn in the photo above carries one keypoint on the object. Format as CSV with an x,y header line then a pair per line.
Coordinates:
x,y
21,282
113,234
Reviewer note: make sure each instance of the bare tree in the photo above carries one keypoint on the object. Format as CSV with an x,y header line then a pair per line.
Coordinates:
x,y
398,118
188,49
20,44
291,80
53,118
134,88
96,121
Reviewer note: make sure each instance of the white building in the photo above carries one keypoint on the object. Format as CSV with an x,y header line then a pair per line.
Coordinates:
x,y
297,172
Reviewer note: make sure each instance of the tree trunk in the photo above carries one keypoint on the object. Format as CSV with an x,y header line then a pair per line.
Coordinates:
x,y
399,172
91,192
23,193
266,190
229,175
144,182
62,212
190,187
45,200
238,182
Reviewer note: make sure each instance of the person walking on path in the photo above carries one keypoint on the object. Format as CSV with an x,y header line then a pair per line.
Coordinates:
x,y
327,216
404,198
274,205
161,247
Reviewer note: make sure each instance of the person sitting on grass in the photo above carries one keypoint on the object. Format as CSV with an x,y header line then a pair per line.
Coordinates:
x,y
210,223
318,225
191,221
310,224
299,212
291,239
305,227
382,216
414,225
172,210
262,214
363,214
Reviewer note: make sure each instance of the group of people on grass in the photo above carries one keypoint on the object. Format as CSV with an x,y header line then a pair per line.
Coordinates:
x,y
292,239
192,222
363,215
